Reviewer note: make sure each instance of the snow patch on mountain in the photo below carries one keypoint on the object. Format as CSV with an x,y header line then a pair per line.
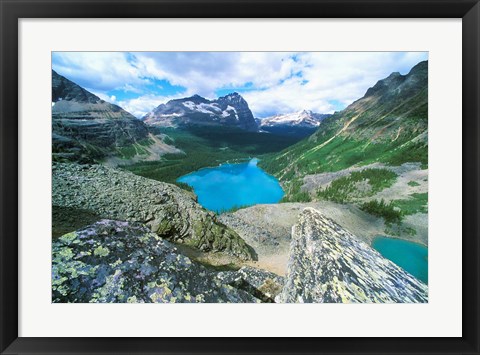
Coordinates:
x,y
303,118
229,110
212,109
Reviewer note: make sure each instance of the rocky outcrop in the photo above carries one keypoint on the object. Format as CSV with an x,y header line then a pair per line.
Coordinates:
x,y
114,261
71,101
88,129
257,236
231,110
329,264
167,210
88,141
262,284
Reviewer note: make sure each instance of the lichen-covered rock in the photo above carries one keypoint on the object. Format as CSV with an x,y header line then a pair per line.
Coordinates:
x,y
169,211
329,264
264,285
113,261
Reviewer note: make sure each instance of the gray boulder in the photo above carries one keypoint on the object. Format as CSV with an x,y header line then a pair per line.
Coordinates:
x,y
113,261
329,264
167,210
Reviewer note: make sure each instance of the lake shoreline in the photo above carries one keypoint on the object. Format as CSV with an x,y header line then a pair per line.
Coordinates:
x,y
231,186
410,256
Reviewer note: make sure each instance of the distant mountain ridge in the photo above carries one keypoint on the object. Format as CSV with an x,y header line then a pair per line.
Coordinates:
x,y
71,101
301,123
64,89
230,110
304,118
88,129
388,124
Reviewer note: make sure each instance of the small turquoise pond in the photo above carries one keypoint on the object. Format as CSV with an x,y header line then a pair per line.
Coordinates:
x,y
233,185
412,257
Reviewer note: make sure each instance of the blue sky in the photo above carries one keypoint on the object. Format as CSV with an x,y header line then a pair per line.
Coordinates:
x,y
271,82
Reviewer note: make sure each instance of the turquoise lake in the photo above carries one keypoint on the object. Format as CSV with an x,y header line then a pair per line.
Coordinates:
x,y
233,185
412,257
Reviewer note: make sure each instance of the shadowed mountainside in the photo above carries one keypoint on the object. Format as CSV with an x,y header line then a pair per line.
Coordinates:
x,y
87,129
231,110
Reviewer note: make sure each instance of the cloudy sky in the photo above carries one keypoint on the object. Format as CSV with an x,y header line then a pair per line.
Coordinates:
x,y
271,82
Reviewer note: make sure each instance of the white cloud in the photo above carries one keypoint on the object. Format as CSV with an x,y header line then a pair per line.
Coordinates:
x,y
330,77
102,71
204,72
141,105
271,82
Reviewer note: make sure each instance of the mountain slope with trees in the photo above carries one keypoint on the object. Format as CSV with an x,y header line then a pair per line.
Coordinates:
x,y
389,124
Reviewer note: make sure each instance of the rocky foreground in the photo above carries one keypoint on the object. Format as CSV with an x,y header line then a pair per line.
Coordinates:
x,y
126,261
328,264
167,210
113,261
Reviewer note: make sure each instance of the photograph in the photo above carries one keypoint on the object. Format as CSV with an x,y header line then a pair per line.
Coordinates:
x,y
239,177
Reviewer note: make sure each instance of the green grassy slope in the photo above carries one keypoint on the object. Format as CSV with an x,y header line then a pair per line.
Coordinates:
x,y
388,124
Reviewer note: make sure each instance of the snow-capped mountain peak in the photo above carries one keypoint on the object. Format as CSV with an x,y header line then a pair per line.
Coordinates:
x,y
229,110
304,118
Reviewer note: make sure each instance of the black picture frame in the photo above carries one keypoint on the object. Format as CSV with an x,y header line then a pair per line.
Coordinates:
x,y
13,10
